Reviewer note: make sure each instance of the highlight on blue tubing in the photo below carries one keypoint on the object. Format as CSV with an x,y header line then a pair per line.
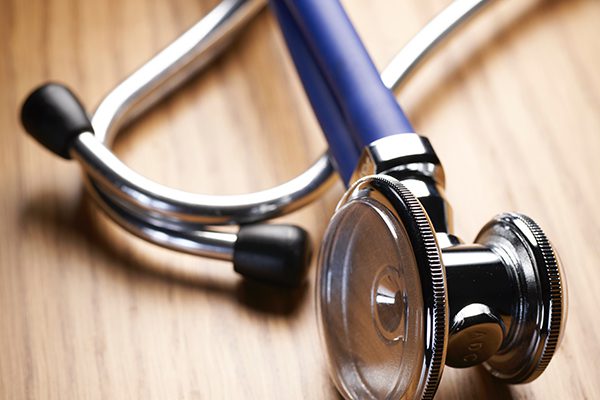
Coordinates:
x,y
342,147
351,102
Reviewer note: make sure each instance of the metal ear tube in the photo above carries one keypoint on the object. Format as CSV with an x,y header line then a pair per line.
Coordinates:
x,y
273,253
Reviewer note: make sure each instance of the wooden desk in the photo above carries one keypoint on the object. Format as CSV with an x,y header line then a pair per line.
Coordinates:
x,y
87,311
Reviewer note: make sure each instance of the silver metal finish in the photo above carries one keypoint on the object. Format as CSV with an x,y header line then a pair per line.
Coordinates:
x,y
507,299
522,330
504,296
383,289
410,158
151,210
201,242
407,151
540,313
476,334
173,66
440,27
116,179
505,293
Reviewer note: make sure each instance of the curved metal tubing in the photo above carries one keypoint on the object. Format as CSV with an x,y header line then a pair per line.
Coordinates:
x,y
407,60
164,73
155,212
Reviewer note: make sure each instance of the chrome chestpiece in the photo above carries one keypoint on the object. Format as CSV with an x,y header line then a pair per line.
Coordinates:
x,y
399,295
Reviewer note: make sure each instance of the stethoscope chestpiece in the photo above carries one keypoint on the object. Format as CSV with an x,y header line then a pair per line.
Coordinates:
x,y
394,307
382,294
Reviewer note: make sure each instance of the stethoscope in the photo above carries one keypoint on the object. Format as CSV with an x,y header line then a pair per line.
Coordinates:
x,y
398,294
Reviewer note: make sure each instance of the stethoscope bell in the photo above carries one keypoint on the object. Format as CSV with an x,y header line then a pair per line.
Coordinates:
x,y
394,307
529,301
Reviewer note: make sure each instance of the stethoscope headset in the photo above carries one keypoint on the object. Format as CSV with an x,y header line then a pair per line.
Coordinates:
x,y
398,294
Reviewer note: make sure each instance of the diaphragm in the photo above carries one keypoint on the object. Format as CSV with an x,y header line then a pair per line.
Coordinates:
x,y
381,295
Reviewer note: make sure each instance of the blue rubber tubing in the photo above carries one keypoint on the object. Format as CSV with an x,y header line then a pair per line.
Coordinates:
x,y
344,151
338,75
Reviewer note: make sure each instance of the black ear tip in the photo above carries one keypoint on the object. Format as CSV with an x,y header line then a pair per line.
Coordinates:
x,y
53,116
277,254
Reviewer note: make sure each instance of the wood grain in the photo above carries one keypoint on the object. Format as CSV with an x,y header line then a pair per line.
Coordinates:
x,y
87,311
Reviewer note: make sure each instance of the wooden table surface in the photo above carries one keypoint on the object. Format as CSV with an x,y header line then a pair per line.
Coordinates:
x,y
88,311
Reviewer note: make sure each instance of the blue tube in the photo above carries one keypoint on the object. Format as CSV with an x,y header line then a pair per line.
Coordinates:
x,y
342,148
368,107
